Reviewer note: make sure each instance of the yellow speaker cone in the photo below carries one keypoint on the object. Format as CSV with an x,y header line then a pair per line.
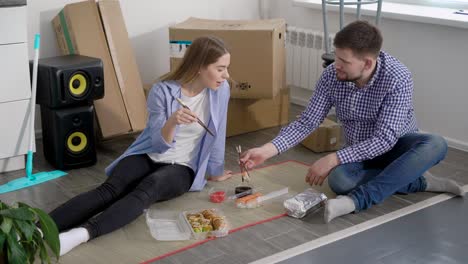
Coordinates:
x,y
77,142
78,84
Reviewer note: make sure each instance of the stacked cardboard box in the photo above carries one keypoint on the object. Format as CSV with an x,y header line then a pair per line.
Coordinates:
x,y
327,137
98,30
259,97
247,115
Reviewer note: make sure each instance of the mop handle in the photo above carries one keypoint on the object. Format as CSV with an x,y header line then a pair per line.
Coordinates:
x,y
29,161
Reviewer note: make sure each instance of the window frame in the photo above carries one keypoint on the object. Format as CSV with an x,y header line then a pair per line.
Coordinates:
x,y
455,4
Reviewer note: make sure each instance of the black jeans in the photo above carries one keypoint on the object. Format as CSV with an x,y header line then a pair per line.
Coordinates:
x,y
135,183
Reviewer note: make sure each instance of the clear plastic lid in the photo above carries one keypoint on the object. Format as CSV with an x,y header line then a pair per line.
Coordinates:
x,y
173,225
167,225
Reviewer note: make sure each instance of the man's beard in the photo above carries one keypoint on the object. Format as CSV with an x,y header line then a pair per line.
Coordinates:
x,y
347,79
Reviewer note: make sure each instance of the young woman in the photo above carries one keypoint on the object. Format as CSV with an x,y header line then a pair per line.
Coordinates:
x,y
170,157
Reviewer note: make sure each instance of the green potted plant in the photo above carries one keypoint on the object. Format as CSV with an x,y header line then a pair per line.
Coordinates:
x,y
20,239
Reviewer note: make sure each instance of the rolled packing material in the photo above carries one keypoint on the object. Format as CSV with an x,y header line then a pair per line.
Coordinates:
x,y
304,203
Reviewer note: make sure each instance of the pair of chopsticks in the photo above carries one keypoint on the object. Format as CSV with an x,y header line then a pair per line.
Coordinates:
x,y
198,119
244,172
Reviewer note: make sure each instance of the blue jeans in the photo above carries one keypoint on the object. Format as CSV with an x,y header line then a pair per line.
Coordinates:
x,y
399,170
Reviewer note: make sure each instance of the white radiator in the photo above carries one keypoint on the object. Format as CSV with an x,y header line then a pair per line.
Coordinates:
x,y
304,49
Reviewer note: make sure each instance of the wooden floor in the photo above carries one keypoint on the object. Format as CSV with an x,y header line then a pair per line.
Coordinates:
x,y
246,245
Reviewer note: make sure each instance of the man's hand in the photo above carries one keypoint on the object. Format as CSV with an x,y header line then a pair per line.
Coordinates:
x,y
256,156
226,175
321,168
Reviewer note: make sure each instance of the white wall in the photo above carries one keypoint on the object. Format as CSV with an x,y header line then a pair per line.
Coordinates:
x,y
436,55
147,24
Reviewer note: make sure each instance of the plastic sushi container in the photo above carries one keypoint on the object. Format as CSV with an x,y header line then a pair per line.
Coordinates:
x,y
173,225
257,199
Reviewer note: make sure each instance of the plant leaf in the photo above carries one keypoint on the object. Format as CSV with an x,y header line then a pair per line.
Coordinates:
x,y
27,228
15,251
50,231
21,213
2,240
43,254
30,249
6,225
20,204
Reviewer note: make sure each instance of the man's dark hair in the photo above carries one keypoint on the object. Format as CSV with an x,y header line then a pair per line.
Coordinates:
x,y
361,37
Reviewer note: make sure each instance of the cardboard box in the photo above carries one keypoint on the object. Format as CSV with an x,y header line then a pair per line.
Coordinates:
x,y
125,66
248,115
79,29
327,137
147,87
257,50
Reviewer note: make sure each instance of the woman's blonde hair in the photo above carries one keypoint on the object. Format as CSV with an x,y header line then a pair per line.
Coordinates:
x,y
202,52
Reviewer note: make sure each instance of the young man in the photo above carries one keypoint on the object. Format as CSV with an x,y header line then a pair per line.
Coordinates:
x,y
385,154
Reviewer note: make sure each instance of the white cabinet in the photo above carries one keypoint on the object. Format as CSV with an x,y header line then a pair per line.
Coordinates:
x,y
13,27
15,88
14,119
14,72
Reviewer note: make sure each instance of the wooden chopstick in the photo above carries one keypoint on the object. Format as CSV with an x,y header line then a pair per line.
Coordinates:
x,y
242,166
198,119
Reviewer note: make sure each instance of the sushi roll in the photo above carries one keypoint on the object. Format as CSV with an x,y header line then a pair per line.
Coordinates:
x,y
218,223
207,228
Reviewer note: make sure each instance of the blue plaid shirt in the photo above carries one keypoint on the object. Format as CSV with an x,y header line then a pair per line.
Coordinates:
x,y
373,117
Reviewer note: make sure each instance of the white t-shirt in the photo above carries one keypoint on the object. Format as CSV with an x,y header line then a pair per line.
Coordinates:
x,y
188,137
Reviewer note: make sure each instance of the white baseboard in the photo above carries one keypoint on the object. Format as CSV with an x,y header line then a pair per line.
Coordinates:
x,y
457,144
299,100
12,163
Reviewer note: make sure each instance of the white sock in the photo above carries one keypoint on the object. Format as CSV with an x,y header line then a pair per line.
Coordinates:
x,y
342,205
436,184
72,238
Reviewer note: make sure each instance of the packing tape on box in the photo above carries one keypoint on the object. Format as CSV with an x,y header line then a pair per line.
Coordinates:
x,y
178,48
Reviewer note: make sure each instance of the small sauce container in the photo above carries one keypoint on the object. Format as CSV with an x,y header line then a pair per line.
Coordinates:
x,y
217,195
244,190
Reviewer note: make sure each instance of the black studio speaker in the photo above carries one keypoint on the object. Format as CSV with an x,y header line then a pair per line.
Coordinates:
x,y
68,136
70,80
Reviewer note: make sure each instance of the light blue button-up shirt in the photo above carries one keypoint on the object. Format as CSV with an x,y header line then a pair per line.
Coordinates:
x,y
161,104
